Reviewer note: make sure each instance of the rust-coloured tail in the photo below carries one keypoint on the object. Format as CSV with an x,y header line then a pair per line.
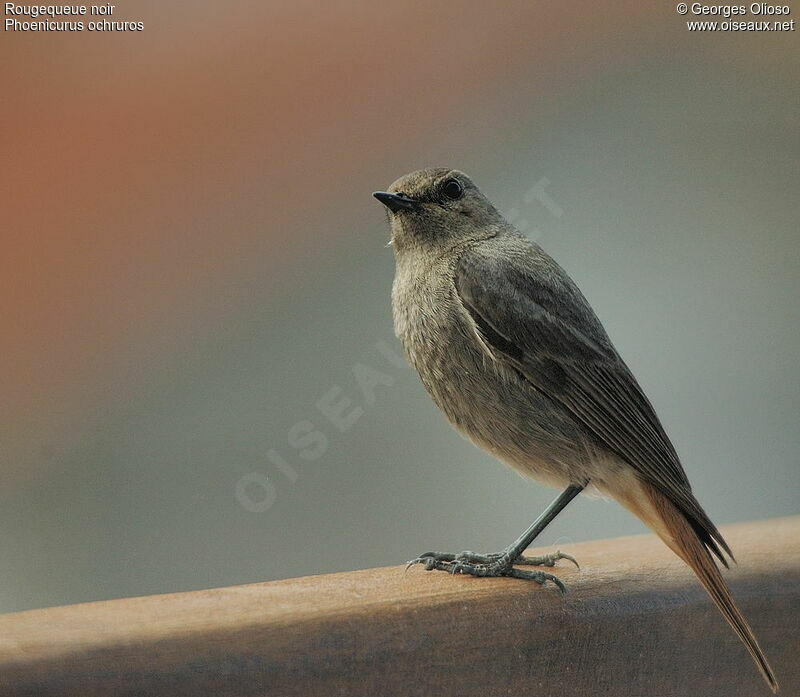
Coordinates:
x,y
672,526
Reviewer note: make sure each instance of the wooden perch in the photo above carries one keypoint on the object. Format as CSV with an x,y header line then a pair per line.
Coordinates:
x,y
634,622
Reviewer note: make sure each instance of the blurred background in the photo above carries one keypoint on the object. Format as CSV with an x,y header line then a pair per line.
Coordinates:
x,y
192,264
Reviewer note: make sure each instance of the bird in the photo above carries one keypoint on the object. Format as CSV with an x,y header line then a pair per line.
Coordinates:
x,y
512,353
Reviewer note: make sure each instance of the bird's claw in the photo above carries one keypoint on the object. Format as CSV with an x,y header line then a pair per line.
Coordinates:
x,y
493,565
546,559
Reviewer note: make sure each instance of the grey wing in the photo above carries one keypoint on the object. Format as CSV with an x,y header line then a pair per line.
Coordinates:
x,y
533,316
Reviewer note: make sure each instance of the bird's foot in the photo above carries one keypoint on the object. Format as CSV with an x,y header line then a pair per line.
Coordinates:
x,y
493,565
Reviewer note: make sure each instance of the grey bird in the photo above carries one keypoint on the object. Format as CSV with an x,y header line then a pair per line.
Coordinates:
x,y
512,353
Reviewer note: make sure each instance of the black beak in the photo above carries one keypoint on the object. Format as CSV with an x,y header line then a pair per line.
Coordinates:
x,y
395,202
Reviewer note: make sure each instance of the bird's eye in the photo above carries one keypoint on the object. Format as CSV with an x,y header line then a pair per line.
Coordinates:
x,y
452,189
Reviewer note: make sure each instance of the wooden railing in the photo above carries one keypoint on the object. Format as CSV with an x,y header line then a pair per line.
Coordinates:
x,y
634,622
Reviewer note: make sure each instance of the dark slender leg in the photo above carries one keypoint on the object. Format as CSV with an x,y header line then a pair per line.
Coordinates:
x,y
524,540
502,564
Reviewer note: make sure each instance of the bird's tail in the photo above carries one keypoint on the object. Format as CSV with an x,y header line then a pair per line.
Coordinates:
x,y
673,527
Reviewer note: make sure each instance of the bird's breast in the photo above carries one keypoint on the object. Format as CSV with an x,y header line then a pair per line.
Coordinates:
x,y
437,336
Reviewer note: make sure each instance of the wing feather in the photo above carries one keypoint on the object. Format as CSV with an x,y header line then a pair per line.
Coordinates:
x,y
533,316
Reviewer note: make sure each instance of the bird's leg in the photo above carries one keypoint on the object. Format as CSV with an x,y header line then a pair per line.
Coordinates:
x,y
502,564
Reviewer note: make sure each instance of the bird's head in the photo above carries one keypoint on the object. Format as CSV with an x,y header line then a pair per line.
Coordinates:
x,y
437,208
